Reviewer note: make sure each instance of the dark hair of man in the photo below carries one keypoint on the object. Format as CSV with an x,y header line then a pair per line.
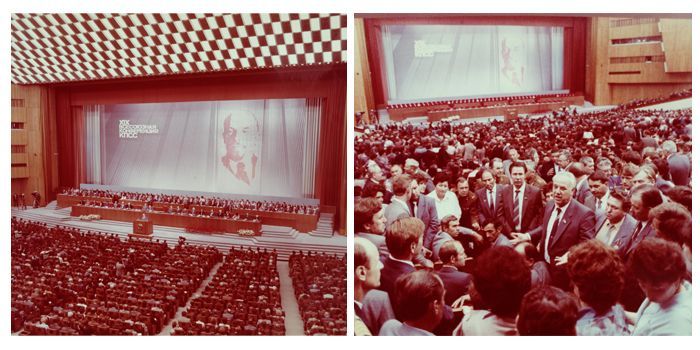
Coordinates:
x,y
495,222
657,261
365,209
622,197
598,272
461,180
548,311
531,251
441,177
402,233
577,169
650,195
599,176
682,195
371,190
401,185
414,293
448,250
502,277
518,164
445,222
673,221
421,177
361,257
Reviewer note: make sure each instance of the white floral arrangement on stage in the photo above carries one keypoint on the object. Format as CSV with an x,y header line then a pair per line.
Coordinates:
x,y
246,233
89,217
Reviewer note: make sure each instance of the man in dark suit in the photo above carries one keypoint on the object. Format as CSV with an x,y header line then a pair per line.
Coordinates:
x,y
522,203
404,238
598,184
617,227
490,198
407,202
643,198
565,223
456,282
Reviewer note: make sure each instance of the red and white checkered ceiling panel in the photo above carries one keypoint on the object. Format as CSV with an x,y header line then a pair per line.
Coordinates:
x,y
50,48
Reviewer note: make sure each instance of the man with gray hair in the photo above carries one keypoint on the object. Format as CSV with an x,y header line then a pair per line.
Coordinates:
x,y
678,164
605,165
565,223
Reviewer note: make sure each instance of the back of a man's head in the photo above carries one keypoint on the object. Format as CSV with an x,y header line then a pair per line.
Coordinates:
x,y
415,294
598,273
672,222
656,261
401,234
501,278
401,185
548,311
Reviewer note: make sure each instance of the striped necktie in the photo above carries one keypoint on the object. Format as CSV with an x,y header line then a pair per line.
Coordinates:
x,y
516,209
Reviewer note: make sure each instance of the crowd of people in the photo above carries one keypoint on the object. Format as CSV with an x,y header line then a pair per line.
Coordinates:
x,y
566,224
184,203
70,282
320,287
642,102
243,298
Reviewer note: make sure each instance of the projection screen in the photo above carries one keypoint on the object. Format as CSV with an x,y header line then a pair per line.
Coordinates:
x,y
256,147
423,62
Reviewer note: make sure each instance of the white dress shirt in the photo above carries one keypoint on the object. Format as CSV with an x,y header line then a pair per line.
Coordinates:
x,y
550,223
448,205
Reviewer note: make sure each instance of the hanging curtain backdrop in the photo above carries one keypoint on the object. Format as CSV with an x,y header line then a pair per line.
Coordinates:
x,y
259,147
424,62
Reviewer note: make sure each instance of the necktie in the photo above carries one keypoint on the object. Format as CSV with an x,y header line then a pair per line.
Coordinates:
x,y
552,232
597,203
491,200
516,209
637,230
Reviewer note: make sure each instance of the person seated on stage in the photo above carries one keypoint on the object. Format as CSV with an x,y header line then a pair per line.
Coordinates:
x,y
418,303
660,269
501,279
597,272
547,311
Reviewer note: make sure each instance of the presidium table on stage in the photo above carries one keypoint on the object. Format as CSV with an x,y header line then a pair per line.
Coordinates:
x,y
244,221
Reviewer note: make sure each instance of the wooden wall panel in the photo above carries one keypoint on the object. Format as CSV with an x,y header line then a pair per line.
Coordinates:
x,y
653,79
32,176
634,31
363,81
18,115
634,50
621,93
676,34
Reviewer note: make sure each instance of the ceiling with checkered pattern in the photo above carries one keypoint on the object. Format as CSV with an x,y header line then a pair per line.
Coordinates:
x,y
53,48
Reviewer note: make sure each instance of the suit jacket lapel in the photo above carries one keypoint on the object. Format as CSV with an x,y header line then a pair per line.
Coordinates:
x,y
563,223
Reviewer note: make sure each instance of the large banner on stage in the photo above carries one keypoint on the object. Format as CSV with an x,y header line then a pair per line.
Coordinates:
x,y
257,147
239,148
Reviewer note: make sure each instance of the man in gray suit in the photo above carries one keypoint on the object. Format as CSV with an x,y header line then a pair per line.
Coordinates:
x,y
617,227
581,191
598,184
678,164
565,223
406,202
